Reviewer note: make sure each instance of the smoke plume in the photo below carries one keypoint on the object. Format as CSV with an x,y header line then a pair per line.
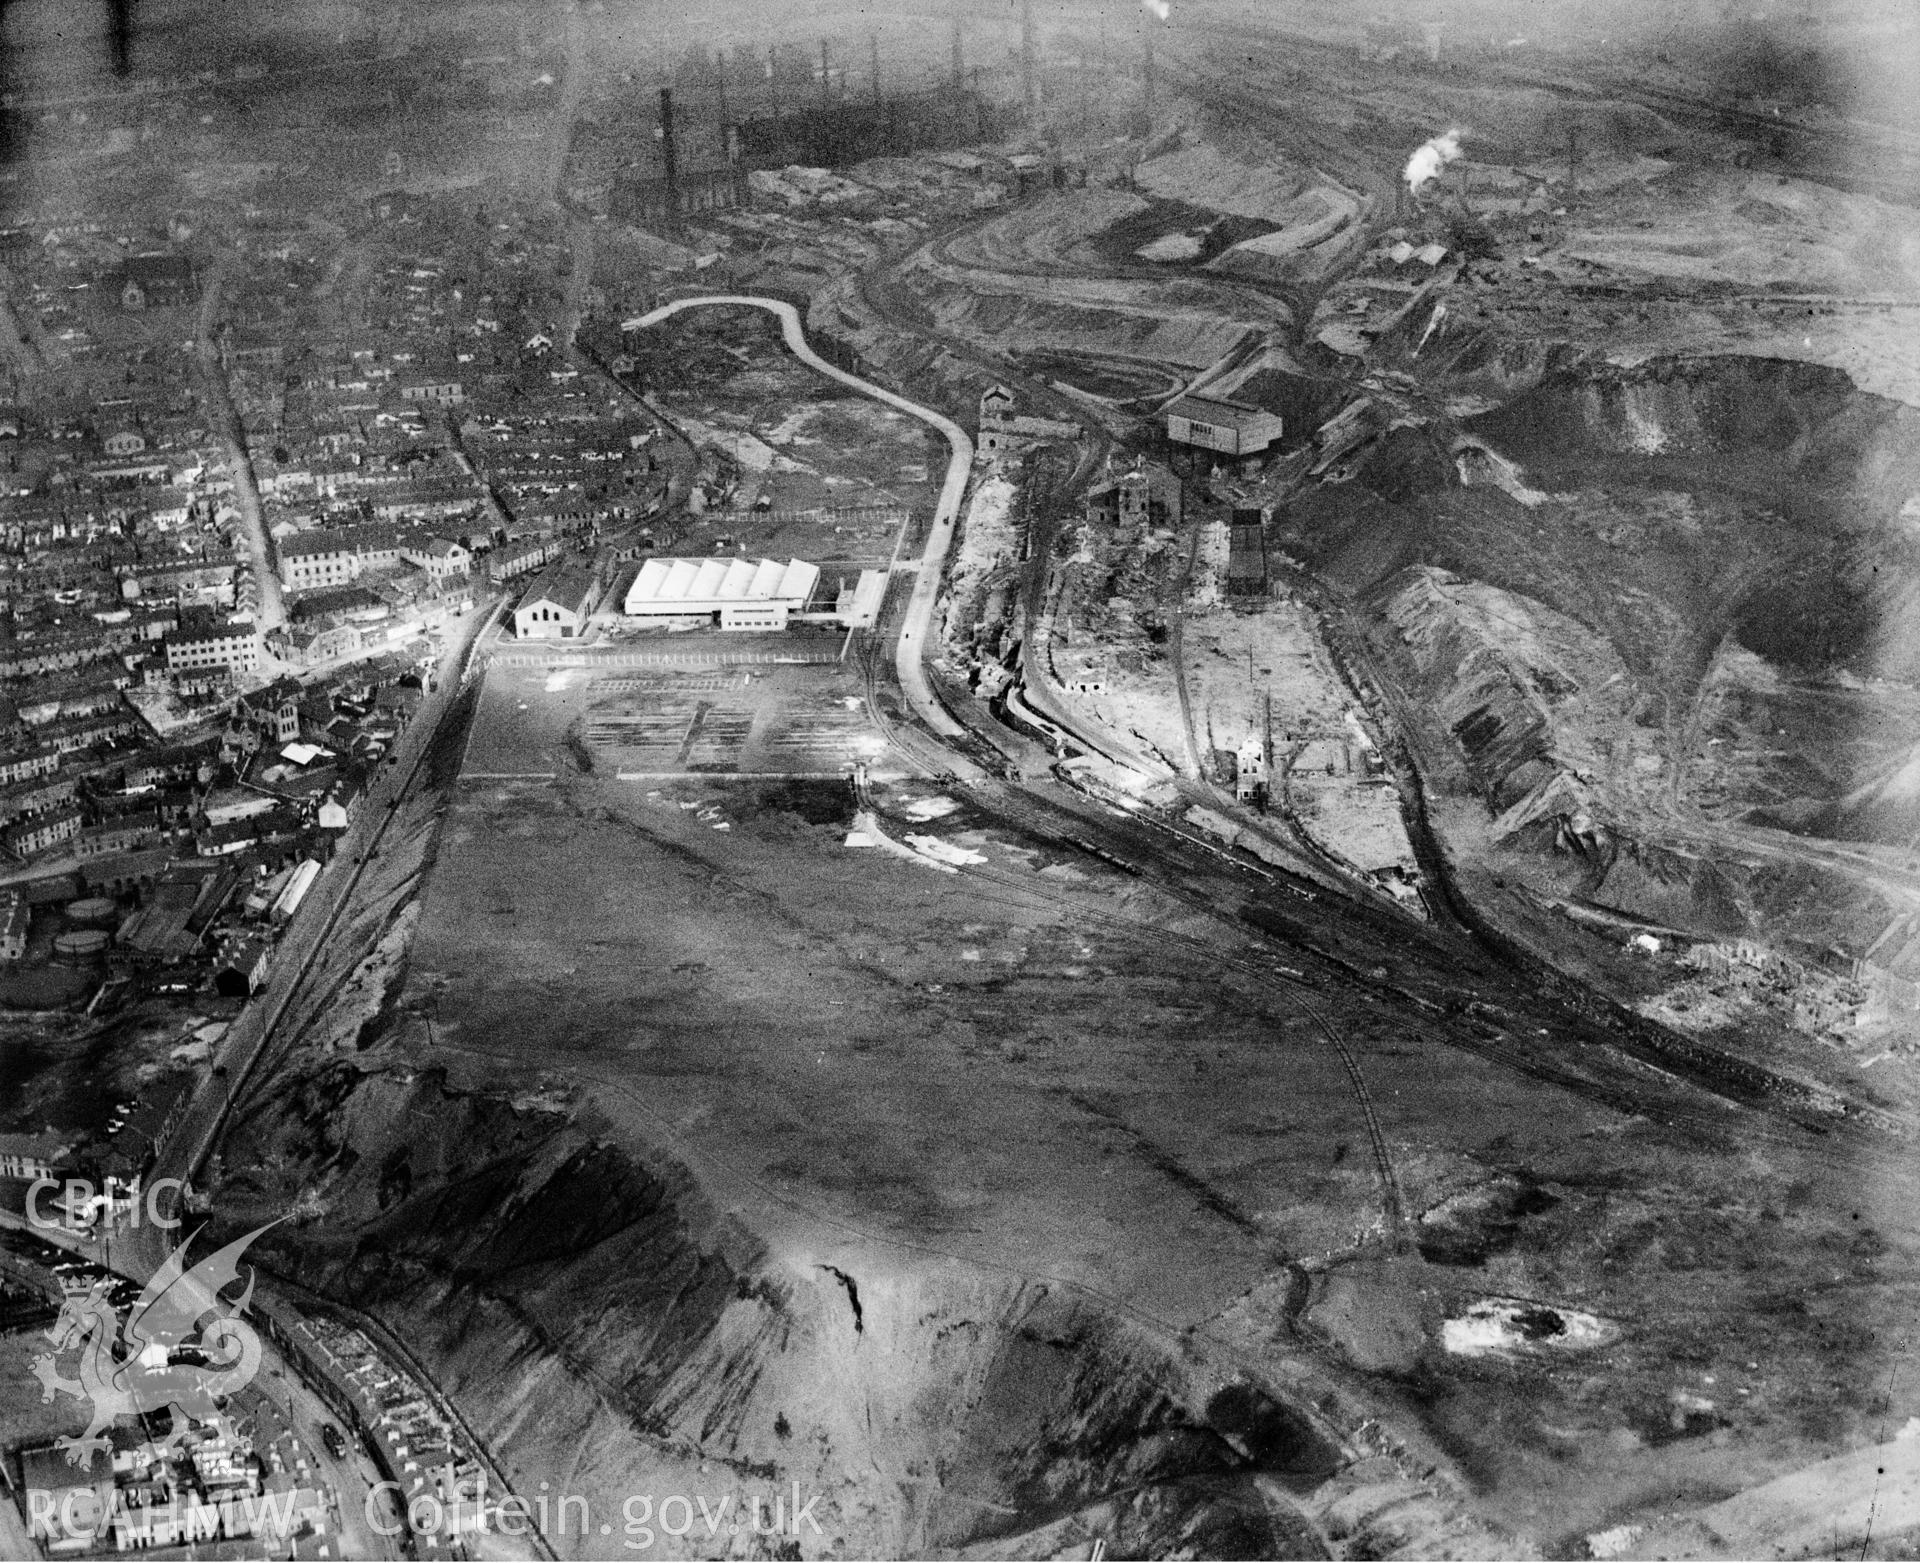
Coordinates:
x,y
1158,9
1430,157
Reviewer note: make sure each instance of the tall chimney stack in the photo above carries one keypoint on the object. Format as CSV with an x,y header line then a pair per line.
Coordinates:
x,y
1029,83
1148,35
668,155
959,64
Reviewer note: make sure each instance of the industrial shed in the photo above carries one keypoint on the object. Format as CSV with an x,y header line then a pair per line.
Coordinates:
x,y
1214,423
741,594
558,604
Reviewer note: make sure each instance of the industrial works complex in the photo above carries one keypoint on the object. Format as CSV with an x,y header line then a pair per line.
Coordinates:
x,y
1025,779
733,594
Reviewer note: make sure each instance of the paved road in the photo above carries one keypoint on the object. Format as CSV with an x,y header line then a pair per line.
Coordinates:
x,y
567,110
292,1418
270,611
916,625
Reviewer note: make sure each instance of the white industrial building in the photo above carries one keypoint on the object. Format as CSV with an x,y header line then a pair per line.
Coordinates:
x,y
741,594
1214,423
299,882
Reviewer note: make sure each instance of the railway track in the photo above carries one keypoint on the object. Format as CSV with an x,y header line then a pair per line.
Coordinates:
x,y
1291,991
1432,964
253,1039
1522,1017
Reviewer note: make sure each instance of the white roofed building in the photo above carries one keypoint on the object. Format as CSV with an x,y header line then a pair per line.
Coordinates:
x,y
741,594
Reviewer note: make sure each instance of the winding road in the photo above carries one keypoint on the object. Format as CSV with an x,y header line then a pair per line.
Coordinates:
x,y
915,627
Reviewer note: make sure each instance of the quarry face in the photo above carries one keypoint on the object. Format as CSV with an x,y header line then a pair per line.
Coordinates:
x,y
1303,940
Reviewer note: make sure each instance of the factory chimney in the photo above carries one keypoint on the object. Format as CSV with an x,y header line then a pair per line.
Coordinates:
x,y
959,64
668,156
1028,83
873,45
1148,35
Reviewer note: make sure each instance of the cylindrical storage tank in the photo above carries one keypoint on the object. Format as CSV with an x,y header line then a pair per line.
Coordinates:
x,y
94,912
81,946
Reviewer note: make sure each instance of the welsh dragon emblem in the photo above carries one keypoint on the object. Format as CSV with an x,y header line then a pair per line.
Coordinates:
x,y
164,1358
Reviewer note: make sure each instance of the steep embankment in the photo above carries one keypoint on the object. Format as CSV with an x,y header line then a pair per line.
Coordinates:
x,y
1530,698
1667,610
609,1333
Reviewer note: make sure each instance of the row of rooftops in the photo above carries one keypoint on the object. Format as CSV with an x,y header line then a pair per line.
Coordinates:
x,y
138,441
371,538
553,443
352,717
82,514
112,499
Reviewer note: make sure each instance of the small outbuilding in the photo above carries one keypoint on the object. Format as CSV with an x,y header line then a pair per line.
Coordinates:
x,y
156,282
558,603
1217,424
242,968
